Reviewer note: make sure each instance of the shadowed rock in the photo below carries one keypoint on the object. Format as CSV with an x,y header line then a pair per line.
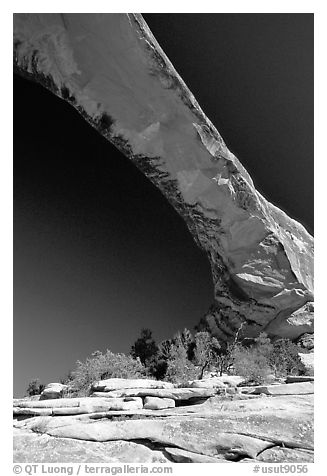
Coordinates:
x,y
112,70
299,378
183,456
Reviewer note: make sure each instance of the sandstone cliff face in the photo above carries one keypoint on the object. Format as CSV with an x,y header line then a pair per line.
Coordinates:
x,y
112,70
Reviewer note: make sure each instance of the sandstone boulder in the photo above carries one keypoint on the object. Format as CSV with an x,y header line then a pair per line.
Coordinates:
x,y
155,403
135,404
121,384
308,360
207,383
53,390
303,388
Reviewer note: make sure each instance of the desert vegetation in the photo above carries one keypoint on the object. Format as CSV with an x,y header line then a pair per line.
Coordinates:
x,y
186,357
100,366
35,387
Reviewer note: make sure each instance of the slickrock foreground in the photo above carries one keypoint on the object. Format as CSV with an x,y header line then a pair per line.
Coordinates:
x,y
276,428
112,70
223,427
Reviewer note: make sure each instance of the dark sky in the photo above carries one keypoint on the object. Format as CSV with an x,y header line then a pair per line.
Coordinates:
x,y
98,252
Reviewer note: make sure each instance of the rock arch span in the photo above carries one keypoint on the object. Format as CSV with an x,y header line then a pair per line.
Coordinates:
x,y
113,71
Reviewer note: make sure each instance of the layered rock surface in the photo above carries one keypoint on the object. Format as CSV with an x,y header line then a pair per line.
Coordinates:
x,y
112,70
277,428
149,428
132,395
117,395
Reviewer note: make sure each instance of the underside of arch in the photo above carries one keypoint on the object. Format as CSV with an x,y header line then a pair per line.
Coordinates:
x,y
113,71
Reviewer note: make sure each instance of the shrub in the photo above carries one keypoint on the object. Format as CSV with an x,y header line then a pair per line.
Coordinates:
x,y
102,366
224,359
264,357
251,364
34,388
264,345
285,360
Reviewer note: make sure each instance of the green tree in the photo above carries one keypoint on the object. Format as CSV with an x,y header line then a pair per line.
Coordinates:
x,y
164,348
187,338
35,387
145,347
188,342
179,368
157,367
155,357
206,351
224,356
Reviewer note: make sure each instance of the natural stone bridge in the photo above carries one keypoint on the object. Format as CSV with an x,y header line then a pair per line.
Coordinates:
x,y
112,70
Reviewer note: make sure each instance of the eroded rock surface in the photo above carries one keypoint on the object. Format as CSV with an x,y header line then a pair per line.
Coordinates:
x,y
112,70
35,448
274,428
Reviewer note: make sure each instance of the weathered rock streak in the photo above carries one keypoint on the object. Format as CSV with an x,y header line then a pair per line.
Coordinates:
x,y
112,70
